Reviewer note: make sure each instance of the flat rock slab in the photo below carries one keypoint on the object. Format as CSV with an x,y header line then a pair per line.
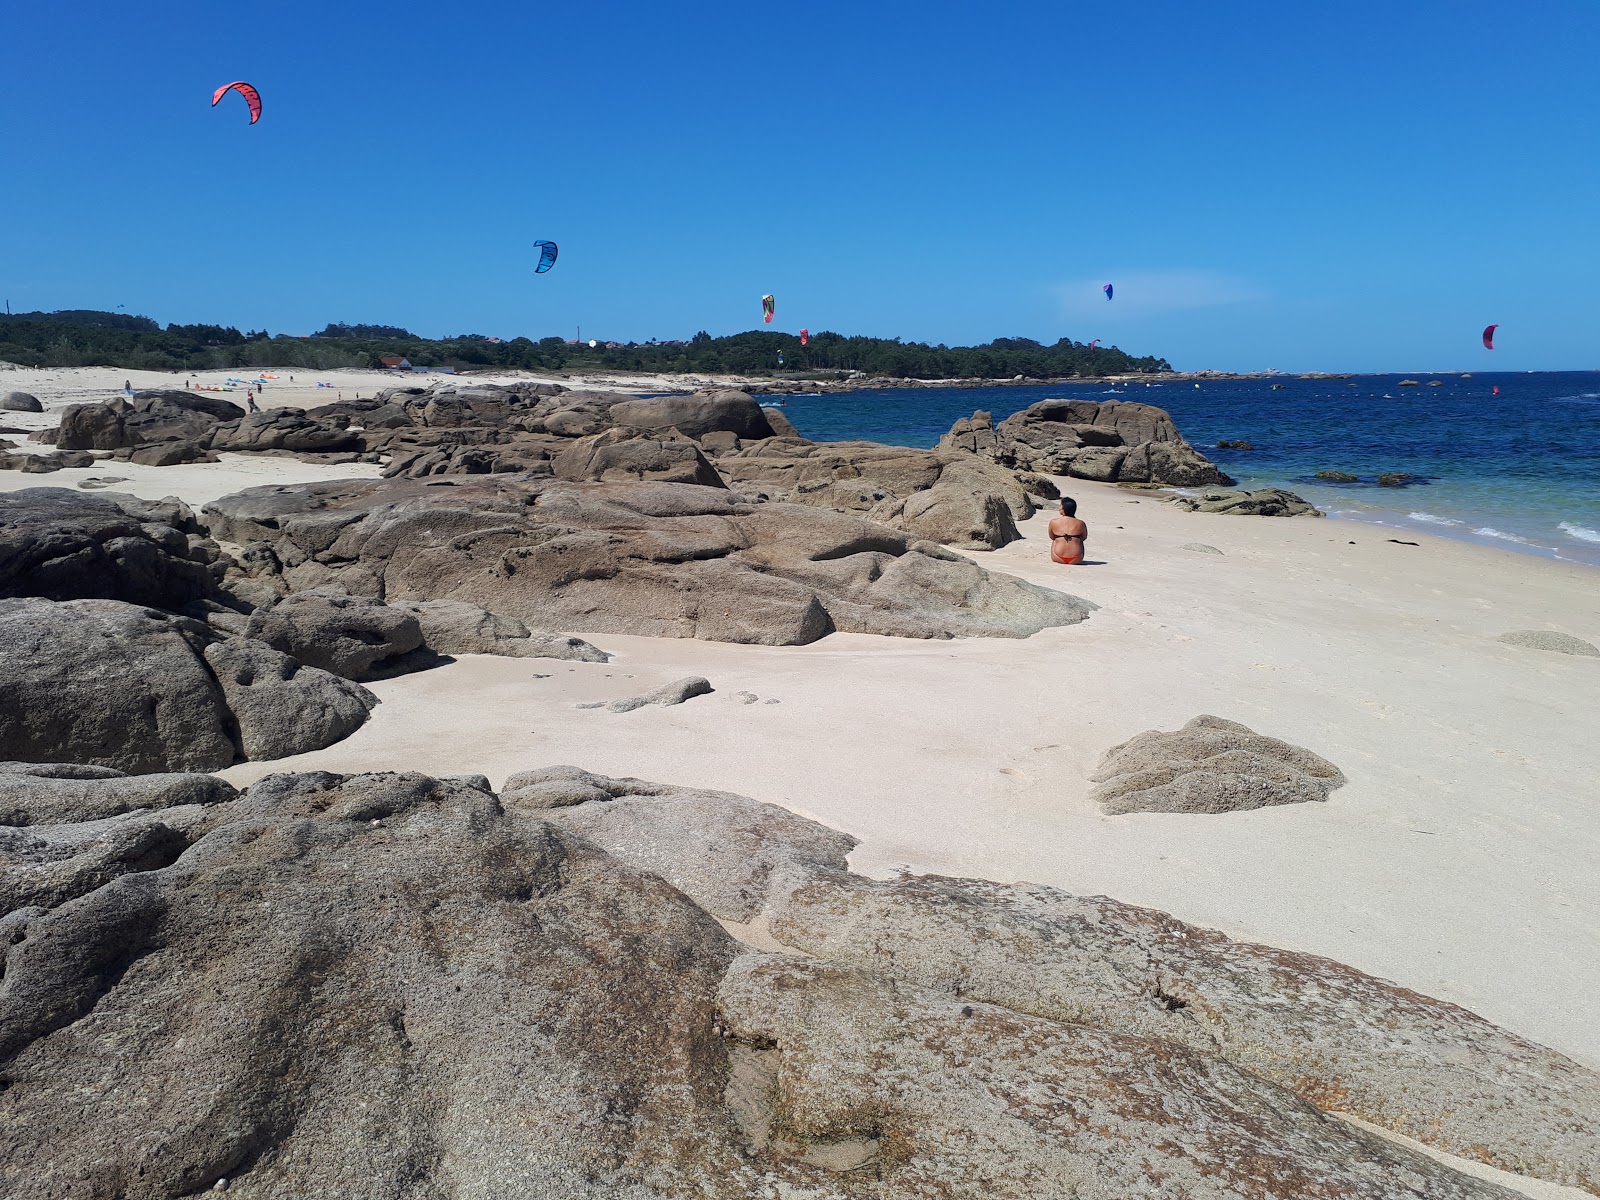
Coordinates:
x,y
1545,639
658,559
1200,548
667,694
1209,766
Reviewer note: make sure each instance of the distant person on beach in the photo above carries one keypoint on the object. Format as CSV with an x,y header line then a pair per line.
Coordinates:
x,y
127,386
250,402
1067,534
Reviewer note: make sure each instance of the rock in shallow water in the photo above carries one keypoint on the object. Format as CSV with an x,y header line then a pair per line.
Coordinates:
x,y
1209,766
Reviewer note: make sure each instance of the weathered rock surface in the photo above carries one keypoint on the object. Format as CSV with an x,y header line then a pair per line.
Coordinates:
x,y
352,636
284,429
453,627
1262,502
615,455
1113,441
668,694
939,495
660,559
1209,766
1200,548
20,402
280,706
1547,639
149,417
483,1005
63,545
388,985
119,685
1333,1036
696,415
48,793
44,464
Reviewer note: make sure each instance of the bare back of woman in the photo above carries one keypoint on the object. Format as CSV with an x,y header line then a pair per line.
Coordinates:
x,y
1067,536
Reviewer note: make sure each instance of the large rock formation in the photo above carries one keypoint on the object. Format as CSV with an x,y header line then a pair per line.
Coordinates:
x,y
390,985
149,417
1209,766
1111,441
956,499
661,559
63,545
118,685
351,636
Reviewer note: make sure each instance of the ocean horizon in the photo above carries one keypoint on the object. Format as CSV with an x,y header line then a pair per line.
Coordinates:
x,y
1517,470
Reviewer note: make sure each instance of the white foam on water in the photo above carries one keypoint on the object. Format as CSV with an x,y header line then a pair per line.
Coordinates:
x,y
1486,531
1579,532
1430,519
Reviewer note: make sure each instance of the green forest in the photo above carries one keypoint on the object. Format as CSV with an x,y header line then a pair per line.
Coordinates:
x,y
80,338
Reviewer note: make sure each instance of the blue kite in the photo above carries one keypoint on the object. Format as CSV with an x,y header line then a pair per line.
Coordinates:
x,y
547,256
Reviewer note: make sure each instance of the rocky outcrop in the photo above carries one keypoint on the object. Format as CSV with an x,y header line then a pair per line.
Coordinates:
x,y
943,496
724,411
617,455
1327,1035
453,627
285,429
388,985
356,637
660,559
149,417
1262,502
281,707
63,545
1114,441
1209,766
20,402
55,793
44,464
118,685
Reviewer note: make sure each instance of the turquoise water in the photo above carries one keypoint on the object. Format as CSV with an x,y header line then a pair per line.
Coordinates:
x,y
1520,470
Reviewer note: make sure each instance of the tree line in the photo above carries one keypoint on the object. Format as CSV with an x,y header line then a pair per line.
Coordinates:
x,y
82,338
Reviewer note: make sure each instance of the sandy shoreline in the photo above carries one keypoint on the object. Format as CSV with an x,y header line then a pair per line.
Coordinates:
x,y
1457,861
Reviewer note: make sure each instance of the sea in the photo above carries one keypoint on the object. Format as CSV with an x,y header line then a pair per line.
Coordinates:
x,y
1519,469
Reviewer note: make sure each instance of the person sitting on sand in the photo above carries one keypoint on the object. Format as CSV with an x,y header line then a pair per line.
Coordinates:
x,y
1067,534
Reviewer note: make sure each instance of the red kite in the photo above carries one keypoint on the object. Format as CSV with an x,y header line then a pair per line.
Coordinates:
x,y
251,97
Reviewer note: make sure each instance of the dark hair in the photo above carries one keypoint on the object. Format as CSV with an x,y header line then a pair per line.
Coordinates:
x,y
1069,506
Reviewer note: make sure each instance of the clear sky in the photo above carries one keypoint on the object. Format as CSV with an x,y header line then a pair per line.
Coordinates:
x,y
1304,185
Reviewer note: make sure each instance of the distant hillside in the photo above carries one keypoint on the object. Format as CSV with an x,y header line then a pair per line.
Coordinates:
x,y
91,339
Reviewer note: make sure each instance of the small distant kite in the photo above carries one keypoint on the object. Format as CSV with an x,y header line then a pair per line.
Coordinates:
x,y
1488,337
251,97
805,336
1094,345
1107,291
768,307
547,257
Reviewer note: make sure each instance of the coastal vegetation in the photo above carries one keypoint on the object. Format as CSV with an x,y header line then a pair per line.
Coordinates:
x,y
82,338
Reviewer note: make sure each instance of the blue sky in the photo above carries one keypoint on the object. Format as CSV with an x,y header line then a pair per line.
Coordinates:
x,y
1354,186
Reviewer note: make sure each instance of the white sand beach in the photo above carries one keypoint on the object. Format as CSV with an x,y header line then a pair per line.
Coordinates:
x,y
1458,860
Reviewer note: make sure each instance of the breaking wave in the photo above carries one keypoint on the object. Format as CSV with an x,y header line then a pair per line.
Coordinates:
x,y
1579,532
1430,519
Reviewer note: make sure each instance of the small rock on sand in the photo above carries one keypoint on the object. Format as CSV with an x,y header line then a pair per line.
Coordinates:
x,y
671,693
1547,639
746,697
1200,548
1209,766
